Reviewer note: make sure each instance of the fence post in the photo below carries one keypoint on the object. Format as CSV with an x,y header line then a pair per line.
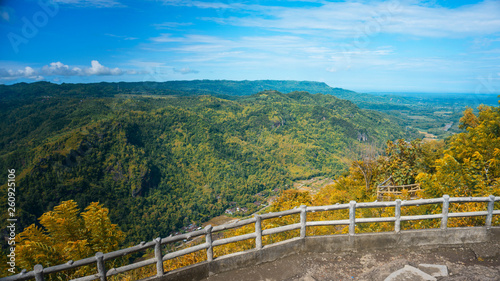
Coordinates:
x,y
352,217
491,207
208,240
159,257
99,256
397,215
258,232
446,206
303,219
38,269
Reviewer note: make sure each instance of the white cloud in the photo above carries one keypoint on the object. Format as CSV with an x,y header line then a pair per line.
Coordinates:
x,y
99,69
60,69
26,72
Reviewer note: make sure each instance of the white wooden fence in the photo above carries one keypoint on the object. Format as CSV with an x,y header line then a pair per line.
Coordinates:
x,y
99,259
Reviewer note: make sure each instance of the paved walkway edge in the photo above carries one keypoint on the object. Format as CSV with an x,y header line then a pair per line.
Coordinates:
x,y
335,244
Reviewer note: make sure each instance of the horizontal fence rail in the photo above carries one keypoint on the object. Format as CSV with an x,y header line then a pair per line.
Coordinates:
x,y
158,259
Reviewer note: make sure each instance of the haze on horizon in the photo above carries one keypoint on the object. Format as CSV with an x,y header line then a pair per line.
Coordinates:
x,y
371,46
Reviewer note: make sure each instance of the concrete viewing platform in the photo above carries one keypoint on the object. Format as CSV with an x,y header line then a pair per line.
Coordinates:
x,y
465,263
453,254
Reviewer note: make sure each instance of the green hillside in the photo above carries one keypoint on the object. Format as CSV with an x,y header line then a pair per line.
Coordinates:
x,y
160,162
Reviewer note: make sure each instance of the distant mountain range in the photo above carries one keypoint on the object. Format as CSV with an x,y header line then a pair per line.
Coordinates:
x,y
194,87
221,88
231,89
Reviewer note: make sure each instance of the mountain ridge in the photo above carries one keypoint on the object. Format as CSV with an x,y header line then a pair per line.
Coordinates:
x,y
217,87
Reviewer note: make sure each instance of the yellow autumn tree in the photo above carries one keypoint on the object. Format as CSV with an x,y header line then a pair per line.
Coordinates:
x,y
66,234
470,165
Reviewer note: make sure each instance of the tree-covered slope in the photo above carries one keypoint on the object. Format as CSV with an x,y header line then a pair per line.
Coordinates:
x,y
160,162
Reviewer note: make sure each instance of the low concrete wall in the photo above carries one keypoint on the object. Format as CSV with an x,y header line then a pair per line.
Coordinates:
x,y
335,244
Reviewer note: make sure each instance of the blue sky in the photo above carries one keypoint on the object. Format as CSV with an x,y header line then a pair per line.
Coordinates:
x,y
367,46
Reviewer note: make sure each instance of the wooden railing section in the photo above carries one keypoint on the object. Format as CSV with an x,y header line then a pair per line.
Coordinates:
x,y
386,192
158,259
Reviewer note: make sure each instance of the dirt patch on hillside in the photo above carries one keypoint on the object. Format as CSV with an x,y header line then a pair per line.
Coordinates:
x,y
312,185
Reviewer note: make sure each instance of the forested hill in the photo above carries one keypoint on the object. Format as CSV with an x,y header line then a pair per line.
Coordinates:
x,y
159,162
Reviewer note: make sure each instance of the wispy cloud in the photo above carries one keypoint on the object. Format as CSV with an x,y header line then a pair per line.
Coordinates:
x,y
167,37
204,4
121,36
264,49
345,19
185,70
91,3
190,38
170,25
484,42
147,64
